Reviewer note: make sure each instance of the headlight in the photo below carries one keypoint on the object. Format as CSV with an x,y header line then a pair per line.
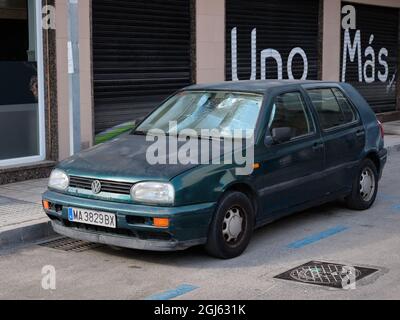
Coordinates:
x,y
59,180
153,192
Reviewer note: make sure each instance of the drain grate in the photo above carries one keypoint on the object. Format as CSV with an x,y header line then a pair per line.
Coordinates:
x,y
326,274
70,245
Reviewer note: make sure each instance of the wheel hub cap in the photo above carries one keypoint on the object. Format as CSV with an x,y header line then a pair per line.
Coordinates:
x,y
367,184
232,225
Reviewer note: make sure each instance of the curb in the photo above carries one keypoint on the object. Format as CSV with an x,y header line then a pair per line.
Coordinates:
x,y
25,234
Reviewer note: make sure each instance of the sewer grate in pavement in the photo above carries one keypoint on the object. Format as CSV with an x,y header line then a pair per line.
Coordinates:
x,y
327,274
70,245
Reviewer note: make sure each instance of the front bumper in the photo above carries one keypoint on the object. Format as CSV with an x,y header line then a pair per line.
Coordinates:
x,y
188,224
124,241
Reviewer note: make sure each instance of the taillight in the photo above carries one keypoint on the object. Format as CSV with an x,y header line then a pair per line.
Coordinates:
x,y
382,129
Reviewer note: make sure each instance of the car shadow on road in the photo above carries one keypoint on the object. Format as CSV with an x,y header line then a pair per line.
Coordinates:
x,y
269,243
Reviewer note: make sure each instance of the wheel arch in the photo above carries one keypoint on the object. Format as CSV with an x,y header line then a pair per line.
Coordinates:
x,y
374,157
248,191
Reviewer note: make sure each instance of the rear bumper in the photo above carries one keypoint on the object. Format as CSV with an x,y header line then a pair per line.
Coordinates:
x,y
188,224
383,156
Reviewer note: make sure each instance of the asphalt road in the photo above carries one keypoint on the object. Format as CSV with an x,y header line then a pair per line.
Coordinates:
x,y
332,234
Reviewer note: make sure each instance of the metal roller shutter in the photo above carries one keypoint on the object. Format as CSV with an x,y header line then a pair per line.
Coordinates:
x,y
141,54
381,25
281,26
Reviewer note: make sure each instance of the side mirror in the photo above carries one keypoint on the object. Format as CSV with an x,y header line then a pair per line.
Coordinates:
x,y
137,122
282,135
268,141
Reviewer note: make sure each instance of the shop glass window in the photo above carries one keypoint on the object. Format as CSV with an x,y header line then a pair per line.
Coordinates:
x,y
19,116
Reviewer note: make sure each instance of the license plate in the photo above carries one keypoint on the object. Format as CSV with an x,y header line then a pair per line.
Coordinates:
x,y
94,218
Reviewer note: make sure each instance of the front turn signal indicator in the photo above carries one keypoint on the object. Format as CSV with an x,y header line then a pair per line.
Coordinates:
x,y
161,222
46,205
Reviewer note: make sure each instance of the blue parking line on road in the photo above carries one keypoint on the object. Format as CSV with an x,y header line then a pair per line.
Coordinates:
x,y
383,196
396,207
174,293
317,237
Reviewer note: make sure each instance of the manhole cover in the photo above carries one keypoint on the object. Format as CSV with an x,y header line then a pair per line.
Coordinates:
x,y
68,244
327,274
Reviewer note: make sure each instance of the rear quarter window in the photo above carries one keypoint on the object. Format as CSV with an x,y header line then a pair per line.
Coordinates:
x,y
347,109
332,106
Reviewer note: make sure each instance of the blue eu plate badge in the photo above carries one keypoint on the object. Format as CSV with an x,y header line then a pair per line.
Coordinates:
x,y
70,214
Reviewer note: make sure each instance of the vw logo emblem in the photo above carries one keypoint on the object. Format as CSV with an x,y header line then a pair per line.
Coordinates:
x,y
96,187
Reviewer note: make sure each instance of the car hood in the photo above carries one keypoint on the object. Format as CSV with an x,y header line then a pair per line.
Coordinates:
x,y
122,159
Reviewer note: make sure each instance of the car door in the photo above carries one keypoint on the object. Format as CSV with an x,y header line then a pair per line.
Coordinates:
x,y
343,134
290,174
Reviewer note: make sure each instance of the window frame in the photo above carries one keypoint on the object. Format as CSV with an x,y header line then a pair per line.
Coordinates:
x,y
350,102
308,112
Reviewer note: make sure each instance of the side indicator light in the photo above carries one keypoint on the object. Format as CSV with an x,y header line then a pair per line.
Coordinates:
x,y
161,222
256,166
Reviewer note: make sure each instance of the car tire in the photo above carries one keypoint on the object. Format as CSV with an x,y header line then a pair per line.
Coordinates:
x,y
232,226
365,187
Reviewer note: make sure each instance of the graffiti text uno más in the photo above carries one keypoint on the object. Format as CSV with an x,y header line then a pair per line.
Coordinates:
x,y
273,55
367,71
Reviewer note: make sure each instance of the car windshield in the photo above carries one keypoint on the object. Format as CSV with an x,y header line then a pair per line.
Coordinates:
x,y
230,113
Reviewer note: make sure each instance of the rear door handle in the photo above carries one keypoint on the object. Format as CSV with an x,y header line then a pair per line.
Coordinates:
x,y
360,133
318,146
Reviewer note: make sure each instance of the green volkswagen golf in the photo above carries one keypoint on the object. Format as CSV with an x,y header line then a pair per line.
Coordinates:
x,y
306,143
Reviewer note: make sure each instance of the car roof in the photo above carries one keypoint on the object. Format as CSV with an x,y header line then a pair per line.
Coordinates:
x,y
256,86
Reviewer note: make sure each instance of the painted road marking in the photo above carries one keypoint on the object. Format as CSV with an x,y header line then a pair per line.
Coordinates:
x,y
317,237
388,197
396,207
174,293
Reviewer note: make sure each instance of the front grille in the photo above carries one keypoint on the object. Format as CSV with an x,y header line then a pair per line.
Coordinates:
x,y
106,185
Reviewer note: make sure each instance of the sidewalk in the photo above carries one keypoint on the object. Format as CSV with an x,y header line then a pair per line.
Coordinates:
x,y
392,136
21,215
22,218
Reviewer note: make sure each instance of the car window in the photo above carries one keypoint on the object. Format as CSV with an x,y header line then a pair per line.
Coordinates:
x,y
289,111
347,109
228,112
332,107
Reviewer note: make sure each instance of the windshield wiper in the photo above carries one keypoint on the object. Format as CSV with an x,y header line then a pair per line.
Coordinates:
x,y
167,134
